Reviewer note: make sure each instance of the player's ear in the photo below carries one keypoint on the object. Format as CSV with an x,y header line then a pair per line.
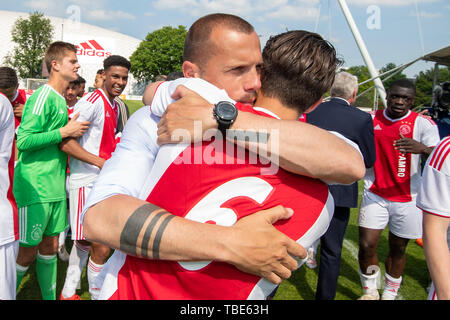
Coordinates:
x,y
190,70
315,105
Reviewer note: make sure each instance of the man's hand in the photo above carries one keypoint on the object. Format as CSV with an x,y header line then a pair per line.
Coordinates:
x,y
407,145
187,118
18,109
74,128
260,249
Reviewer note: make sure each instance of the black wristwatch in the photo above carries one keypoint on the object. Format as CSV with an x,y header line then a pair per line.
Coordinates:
x,y
225,113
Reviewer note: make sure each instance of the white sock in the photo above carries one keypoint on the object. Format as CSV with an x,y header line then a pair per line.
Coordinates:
x,y
77,260
370,283
62,237
391,286
93,270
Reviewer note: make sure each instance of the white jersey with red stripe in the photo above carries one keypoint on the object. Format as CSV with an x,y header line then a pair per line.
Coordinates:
x,y
396,176
209,182
434,193
99,139
9,225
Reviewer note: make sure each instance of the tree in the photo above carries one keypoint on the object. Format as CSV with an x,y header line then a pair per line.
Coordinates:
x,y
397,76
32,36
160,53
367,99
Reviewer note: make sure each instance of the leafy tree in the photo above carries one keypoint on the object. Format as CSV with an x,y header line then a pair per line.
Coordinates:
x,y
367,99
160,53
390,66
32,36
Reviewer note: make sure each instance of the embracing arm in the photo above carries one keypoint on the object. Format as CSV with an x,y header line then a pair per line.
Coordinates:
x,y
301,148
74,149
141,229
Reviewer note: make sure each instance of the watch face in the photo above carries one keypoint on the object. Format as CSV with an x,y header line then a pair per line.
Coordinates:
x,y
226,110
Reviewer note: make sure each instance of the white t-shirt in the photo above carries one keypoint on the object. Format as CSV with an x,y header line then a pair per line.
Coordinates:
x,y
9,229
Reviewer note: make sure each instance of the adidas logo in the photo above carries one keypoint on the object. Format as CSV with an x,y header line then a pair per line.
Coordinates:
x,y
377,127
91,48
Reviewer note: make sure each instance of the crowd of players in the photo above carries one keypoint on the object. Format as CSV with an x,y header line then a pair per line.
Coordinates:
x,y
64,136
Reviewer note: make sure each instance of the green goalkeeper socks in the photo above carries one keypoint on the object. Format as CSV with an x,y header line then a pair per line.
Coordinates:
x,y
46,270
20,272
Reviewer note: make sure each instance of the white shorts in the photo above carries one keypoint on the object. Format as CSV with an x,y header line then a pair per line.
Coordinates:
x,y
77,198
8,276
404,218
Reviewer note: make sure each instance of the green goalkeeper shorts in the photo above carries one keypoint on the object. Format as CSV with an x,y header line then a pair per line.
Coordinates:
x,y
41,219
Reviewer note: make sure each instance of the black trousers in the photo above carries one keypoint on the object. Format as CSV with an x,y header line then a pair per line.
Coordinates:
x,y
330,254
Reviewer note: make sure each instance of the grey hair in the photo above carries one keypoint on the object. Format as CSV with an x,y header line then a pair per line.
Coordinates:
x,y
344,84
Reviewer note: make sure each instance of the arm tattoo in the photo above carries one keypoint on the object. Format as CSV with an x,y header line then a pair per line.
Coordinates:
x,y
157,240
134,225
132,228
148,232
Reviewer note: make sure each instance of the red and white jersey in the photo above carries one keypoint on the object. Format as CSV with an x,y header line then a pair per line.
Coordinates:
x,y
434,193
396,176
209,182
9,225
20,97
99,139
70,110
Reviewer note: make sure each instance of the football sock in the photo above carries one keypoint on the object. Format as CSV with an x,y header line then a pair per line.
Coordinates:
x,y
391,286
93,270
46,270
77,261
20,272
370,283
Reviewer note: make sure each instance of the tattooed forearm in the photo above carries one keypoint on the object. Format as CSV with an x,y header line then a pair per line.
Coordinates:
x,y
157,239
148,233
129,237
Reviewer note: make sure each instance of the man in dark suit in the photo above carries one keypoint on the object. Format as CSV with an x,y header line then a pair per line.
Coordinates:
x,y
340,116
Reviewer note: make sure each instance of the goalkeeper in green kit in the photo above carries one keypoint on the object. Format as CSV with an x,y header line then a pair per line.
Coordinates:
x,y
39,175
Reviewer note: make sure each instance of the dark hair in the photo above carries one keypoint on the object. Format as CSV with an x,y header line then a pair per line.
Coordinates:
x,y
116,60
198,47
100,71
298,68
81,79
174,75
57,51
8,78
75,82
404,83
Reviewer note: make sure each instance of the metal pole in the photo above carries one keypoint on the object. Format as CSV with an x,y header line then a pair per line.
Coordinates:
x,y
365,54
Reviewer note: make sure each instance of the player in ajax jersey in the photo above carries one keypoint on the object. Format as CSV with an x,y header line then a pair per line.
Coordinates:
x,y
218,187
9,226
402,137
434,200
87,155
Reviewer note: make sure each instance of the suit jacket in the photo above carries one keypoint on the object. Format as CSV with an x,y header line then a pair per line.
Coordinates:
x,y
357,126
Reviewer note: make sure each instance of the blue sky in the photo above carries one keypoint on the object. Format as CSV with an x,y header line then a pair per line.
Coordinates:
x,y
391,29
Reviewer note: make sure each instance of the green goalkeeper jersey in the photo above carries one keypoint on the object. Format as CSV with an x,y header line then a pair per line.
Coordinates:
x,y
39,175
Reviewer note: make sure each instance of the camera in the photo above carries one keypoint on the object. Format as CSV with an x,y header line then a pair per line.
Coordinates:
x,y
441,101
